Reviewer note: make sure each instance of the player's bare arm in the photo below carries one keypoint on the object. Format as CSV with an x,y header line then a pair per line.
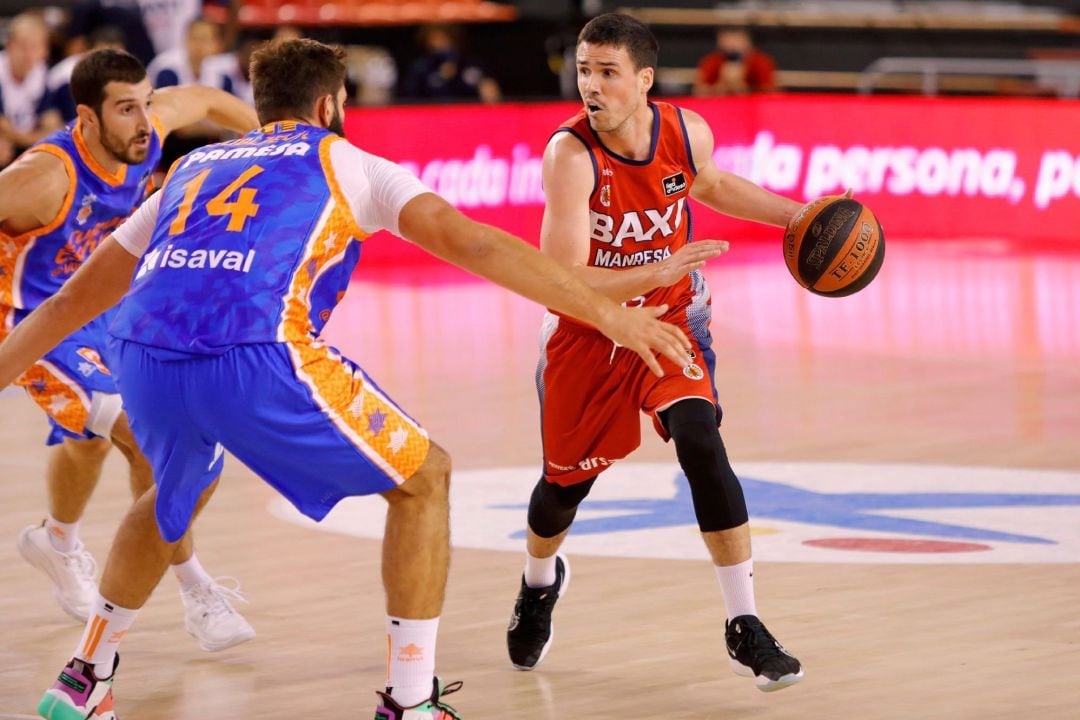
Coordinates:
x,y
94,288
183,105
564,234
433,224
728,193
32,192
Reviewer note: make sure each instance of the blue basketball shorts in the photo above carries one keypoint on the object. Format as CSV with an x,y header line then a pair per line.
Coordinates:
x,y
72,383
308,421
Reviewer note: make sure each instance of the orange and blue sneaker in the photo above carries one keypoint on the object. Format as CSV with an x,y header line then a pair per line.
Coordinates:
x,y
431,709
79,694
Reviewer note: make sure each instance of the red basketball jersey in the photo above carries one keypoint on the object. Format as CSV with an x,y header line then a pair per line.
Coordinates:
x,y
638,209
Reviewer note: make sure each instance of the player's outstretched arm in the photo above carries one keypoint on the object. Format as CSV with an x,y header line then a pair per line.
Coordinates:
x,y
94,288
183,105
433,224
567,227
32,191
727,193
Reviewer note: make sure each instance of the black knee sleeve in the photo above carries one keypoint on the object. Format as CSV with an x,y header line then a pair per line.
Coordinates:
x,y
552,507
718,497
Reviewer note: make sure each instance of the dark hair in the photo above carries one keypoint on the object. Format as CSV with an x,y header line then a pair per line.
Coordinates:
x,y
288,77
625,32
97,69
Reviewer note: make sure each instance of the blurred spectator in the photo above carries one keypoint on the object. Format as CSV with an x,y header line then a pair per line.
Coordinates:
x,y
442,73
230,71
89,15
58,107
372,73
187,65
736,67
183,65
22,83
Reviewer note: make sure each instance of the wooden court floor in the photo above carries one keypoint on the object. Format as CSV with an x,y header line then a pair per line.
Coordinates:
x,y
963,355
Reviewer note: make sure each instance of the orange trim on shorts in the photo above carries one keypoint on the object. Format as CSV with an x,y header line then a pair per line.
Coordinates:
x,y
14,249
59,396
386,436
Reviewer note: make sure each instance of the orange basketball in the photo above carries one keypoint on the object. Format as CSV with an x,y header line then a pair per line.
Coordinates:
x,y
834,246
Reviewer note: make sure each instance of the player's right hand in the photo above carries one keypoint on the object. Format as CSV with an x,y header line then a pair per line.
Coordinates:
x,y
638,329
688,258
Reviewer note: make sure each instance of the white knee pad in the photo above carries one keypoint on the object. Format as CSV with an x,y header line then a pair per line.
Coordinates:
x,y
105,409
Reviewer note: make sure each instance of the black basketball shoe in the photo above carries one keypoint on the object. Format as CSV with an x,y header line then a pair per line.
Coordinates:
x,y
530,633
755,653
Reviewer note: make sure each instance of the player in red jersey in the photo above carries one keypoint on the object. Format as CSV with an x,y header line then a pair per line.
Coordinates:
x,y
617,177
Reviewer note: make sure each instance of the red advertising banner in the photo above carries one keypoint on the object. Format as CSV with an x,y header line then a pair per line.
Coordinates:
x,y
930,168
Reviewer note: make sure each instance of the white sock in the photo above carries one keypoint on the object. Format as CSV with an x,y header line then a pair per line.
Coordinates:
x,y
410,660
737,585
106,628
64,537
190,573
539,572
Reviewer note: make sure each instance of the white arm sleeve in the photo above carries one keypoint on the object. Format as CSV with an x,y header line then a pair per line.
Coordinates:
x,y
377,189
134,234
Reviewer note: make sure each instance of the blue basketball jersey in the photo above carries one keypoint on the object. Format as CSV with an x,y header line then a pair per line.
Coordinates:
x,y
254,243
35,264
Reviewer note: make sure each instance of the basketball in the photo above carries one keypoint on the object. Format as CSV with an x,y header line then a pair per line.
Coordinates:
x,y
834,246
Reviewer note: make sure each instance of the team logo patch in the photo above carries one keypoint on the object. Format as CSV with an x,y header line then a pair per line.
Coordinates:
x,y
693,371
86,208
799,512
674,184
605,196
94,359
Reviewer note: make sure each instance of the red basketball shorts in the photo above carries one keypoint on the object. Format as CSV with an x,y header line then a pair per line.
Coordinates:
x,y
592,391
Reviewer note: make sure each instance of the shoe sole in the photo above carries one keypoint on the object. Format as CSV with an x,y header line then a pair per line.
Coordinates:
x,y
763,683
51,707
224,644
33,555
551,636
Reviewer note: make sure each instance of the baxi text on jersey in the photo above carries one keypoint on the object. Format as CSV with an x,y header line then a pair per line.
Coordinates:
x,y
233,153
634,227
182,258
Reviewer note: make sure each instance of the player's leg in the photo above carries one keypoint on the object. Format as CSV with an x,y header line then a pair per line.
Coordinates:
x,y
415,560
589,414
186,465
315,427
209,616
546,578
71,474
137,561
53,546
722,517
71,400
552,509
74,388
